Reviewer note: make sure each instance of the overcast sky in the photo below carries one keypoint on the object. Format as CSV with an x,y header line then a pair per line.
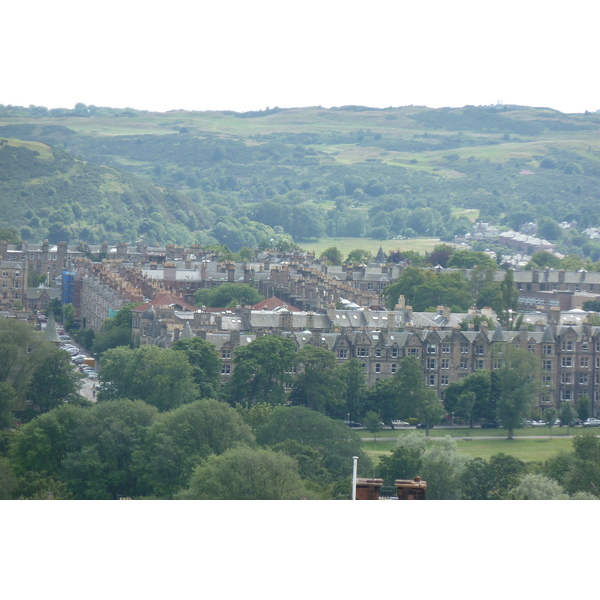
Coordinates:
x,y
248,55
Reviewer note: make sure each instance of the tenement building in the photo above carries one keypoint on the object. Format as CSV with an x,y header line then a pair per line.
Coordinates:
x,y
447,346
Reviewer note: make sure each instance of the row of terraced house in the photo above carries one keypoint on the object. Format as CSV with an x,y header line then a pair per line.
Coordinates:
x,y
165,280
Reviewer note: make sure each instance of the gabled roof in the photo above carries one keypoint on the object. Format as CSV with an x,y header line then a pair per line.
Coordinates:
x,y
274,303
165,300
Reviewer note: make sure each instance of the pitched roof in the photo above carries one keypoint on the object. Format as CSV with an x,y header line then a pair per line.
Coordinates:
x,y
165,300
274,303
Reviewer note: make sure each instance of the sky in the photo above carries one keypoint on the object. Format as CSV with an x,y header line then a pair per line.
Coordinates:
x,y
249,55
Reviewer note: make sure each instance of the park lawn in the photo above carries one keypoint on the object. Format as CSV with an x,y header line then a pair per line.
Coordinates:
x,y
456,432
346,244
527,449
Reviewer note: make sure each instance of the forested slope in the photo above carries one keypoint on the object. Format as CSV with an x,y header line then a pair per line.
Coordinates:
x,y
346,171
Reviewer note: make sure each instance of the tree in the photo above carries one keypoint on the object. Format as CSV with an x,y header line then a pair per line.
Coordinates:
x,y
542,259
333,255
359,256
205,362
8,404
54,381
228,295
42,444
534,486
583,408
162,378
479,384
509,300
402,463
21,349
416,399
442,469
335,441
178,442
467,259
261,369
352,375
318,385
550,416
99,465
566,415
519,383
430,408
114,332
373,423
246,474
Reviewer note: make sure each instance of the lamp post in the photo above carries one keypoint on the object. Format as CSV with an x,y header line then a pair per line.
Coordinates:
x,y
354,471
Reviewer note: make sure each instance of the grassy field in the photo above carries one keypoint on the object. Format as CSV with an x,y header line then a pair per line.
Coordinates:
x,y
347,244
537,446
528,450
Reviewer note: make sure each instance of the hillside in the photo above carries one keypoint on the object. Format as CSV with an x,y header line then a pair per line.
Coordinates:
x,y
344,172
46,192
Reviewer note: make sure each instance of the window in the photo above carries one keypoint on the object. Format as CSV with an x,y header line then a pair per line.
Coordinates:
x,y
431,349
547,380
444,379
394,367
378,351
567,361
547,349
225,354
342,353
445,363
584,362
378,368
430,363
531,347
480,363
363,352
464,363
446,348
431,380
413,352
565,378
567,346
479,349
395,352
464,349
565,395
226,369
584,347
583,378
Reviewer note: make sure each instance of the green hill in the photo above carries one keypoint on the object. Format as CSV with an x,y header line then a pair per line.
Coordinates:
x,y
51,194
313,172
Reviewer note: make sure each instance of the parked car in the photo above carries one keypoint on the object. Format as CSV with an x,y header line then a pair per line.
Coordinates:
x,y
591,423
64,338
399,424
352,424
490,425
423,426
